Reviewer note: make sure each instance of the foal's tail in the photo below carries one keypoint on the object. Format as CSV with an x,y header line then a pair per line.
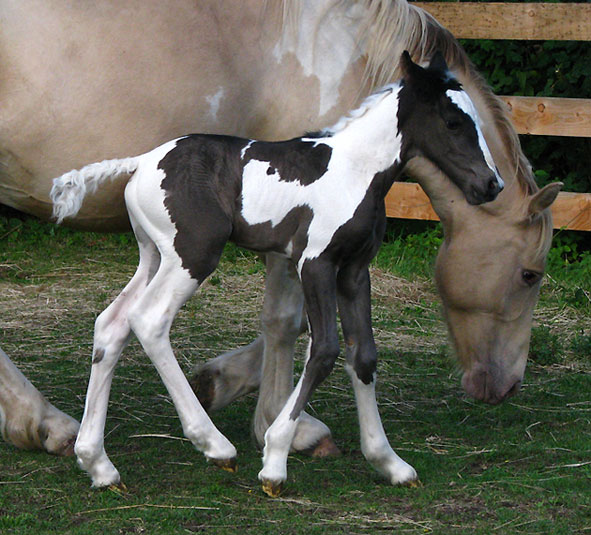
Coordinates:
x,y
69,190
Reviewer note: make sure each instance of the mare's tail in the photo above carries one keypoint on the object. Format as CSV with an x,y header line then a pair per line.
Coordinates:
x,y
69,190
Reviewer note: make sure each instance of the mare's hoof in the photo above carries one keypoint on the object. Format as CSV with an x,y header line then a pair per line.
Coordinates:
x,y
325,448
271,488
229,465
203,385
67,448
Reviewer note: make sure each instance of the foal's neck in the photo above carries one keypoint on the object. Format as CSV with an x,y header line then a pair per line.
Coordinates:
x,y
369,135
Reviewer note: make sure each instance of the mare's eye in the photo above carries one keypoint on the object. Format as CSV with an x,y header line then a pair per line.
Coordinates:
x,y
530,277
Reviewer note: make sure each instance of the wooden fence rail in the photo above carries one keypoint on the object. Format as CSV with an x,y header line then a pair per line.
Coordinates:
x,y
530,115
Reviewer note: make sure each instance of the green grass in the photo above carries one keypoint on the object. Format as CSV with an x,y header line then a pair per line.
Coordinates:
x,y
520,467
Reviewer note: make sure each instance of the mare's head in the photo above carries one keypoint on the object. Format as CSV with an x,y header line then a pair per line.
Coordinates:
x,y
439,122
488,273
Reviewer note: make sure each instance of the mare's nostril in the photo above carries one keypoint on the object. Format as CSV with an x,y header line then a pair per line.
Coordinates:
x,y
493,185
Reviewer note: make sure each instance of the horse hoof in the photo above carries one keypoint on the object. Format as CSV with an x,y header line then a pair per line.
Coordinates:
x,y
413,484
118,488
203,385
67,449
271,488
325,448
228,465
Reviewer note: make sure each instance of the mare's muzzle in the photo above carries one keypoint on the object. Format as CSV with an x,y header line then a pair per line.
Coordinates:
x,y
482,385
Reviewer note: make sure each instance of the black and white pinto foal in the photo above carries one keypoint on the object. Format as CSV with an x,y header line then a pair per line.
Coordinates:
x,y
318,200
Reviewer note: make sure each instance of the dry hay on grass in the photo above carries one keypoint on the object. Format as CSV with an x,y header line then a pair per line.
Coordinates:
x,y
55,319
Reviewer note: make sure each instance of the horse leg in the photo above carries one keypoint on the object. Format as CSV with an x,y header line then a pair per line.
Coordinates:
x,y
221,380
27,419
150,320
320,296
227,377
267,362
361,360
111,334
283,322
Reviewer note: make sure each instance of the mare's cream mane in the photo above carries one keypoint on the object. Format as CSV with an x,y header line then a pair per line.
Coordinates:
x,y
386,29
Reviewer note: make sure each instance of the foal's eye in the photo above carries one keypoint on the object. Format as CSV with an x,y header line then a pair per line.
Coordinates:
x,y
453,124
530,277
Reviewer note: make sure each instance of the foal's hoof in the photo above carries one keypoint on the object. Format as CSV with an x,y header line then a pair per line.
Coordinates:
x,y
118,488
272,489
229,465
325,448
413,484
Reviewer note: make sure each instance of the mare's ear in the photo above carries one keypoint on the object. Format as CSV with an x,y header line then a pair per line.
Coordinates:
x,y
545,197
438,63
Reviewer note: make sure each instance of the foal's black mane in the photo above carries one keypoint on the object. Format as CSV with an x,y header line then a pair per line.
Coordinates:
x,y
318,134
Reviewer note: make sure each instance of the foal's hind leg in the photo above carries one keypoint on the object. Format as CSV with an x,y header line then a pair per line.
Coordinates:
x,y
354,308
111,334
150,320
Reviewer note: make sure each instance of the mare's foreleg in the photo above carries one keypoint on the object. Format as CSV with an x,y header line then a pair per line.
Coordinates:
x,y
318,279
361,360
282,321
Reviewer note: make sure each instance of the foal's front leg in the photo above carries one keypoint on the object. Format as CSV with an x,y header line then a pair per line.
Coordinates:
x,y
267,362
319,283
355,312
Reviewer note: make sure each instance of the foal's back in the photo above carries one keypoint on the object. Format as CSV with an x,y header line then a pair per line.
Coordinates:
x,y
199,191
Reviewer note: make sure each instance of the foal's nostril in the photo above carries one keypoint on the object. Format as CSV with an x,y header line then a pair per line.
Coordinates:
x,y
493,185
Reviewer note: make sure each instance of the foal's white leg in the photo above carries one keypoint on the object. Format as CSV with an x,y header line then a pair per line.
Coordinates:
x,y
111,334
278,441
151,319
374,443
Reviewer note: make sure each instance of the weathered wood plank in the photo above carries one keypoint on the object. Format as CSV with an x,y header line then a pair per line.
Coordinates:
x,y
550,116
528,21
407,200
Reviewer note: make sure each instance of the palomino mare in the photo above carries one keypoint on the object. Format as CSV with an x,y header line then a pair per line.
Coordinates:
x,y
141,72
318,201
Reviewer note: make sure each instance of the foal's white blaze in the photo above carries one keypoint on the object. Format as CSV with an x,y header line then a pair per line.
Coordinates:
x,y
464,102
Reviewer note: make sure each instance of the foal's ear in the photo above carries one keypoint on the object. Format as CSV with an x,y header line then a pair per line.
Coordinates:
x,y
409,68
438,63
545,197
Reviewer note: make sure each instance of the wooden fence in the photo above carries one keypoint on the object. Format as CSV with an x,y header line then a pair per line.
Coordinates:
x,y
530,115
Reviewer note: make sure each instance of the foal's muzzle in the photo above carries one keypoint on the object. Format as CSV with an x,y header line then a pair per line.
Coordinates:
x,y
486,192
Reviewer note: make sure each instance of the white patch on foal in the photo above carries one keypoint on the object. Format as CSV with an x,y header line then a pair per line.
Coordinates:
x,y
334,197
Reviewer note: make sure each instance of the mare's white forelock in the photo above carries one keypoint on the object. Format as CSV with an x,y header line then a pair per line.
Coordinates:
x,y
462,100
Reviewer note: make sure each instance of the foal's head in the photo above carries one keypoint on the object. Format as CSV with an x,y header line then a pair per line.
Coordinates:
x,y
439,121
